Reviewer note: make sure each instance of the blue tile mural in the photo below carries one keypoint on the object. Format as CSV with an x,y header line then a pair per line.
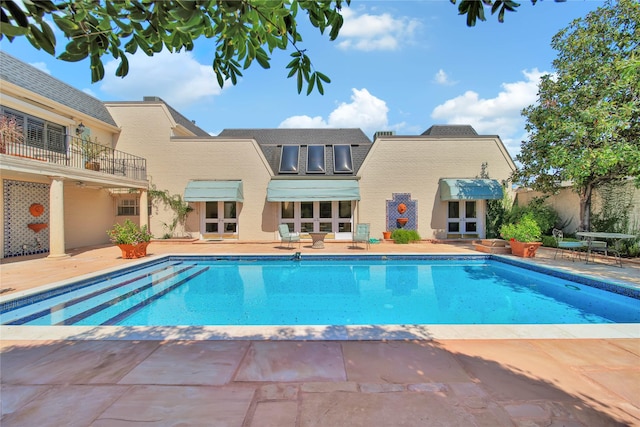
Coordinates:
x,y
401,207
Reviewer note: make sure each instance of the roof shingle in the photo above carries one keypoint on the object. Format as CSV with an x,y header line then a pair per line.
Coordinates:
x,y
28,77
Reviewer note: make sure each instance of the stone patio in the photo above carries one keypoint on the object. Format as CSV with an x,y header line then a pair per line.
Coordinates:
x,y
255,382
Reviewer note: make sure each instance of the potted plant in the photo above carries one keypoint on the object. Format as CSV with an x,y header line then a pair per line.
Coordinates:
x,y
10,132
130,238
524,236
91,152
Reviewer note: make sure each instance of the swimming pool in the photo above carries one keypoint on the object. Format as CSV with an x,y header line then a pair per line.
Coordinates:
x,y
334,290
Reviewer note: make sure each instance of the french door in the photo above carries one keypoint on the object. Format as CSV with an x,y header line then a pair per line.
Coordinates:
x,y
321,216
463,218
220,219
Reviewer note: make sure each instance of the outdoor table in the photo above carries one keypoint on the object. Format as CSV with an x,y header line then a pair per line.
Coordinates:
x,y
318,239
590,235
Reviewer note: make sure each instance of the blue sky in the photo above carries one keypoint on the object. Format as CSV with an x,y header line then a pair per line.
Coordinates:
x,y
397,65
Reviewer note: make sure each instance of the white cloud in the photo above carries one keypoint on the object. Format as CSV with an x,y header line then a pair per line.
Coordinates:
x,y
303,122
442,78
41,66
375,32
365,111
499,115
178,78
89,92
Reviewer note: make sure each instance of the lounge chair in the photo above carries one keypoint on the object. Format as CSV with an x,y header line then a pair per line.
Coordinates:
x,y
361,235
562,244
287,236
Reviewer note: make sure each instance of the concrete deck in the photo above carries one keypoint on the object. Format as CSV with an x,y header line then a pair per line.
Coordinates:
x,y
466,380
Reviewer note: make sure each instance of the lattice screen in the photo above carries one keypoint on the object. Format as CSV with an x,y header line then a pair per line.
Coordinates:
x,y
21,200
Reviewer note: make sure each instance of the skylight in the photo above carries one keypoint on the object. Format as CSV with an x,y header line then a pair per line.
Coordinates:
x,y
315,159
342,161
289,159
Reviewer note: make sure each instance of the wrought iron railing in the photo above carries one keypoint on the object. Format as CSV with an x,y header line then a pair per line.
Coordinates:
x,y
79,153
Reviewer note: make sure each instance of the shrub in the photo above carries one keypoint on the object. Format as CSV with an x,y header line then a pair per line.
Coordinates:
x,y
549,241
525,230
544,215
129,233
403,236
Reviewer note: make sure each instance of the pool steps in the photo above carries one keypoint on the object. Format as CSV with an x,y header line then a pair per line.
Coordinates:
x,y
132,290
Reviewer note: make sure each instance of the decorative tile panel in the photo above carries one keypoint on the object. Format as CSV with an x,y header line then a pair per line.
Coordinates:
x,y
410,212
26,209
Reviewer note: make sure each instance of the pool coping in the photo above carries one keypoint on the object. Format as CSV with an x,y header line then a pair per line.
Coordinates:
x,y
329,332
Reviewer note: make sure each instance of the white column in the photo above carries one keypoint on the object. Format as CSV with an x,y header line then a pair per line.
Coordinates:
x,y
56,218
144,207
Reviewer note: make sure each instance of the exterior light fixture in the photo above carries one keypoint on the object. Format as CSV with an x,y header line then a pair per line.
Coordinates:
x,y
80,129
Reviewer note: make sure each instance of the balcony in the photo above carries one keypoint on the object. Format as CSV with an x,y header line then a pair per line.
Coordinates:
x,y
78,153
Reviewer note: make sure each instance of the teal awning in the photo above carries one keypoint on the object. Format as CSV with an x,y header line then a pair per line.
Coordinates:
x,y
470,189
208,191
294,190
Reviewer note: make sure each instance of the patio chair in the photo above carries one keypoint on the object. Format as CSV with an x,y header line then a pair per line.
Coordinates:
x,y
361,235
562,245
287,236
604,248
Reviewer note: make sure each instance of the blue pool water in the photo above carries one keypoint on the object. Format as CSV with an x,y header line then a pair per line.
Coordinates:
x,y
318,291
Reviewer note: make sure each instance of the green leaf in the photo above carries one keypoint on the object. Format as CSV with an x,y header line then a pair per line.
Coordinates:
x,y
323,77
320,86
299,81
312,82
42,40
12,31
123,68
65,24
263,58
97,69
17,13
72,57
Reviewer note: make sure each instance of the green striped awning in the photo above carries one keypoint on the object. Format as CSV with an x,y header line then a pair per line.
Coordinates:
x,y
470,189
296,190
208,191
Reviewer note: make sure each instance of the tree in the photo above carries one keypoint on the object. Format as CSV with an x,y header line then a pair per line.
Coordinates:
x,y
585,127
244,31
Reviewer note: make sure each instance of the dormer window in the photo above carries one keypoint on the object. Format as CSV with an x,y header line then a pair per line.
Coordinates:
x,y
342,160
289,159
315,159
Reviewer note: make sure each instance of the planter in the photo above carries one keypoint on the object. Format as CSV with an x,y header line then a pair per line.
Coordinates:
x,y
402,221
37,227
94,166
386,235
134,251
524,249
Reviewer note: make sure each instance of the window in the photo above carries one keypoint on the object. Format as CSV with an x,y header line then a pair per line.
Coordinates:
x,y
128,207
325,216
315,159
342,160
289,159
39,133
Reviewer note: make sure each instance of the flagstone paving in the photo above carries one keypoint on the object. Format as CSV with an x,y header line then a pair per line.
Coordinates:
x,y
262,383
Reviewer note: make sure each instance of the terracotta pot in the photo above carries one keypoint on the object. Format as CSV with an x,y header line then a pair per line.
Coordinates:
x,y
403,221
386,235
134,251
524,249
94,166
